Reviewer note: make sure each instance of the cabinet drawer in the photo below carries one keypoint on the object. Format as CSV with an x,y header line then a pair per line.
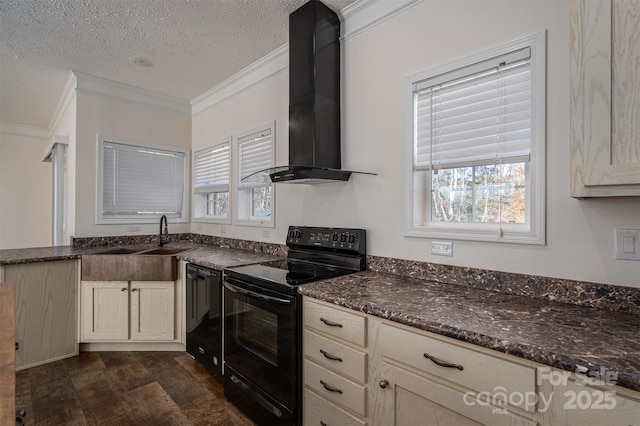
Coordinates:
x,y
319,411
344,392
476,371
336,322
341,358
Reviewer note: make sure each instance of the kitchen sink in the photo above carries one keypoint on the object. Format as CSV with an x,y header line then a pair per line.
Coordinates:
x,y
163,251
120,250
129,264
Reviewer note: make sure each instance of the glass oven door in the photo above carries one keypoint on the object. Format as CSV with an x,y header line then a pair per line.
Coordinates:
x,y
261,338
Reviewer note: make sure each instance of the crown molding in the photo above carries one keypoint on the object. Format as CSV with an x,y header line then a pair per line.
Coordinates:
x,y
356,18
262,69
68,95
24,130
364,14
90,84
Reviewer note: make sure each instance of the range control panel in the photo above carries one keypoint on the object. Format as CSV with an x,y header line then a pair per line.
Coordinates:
x,y
332,238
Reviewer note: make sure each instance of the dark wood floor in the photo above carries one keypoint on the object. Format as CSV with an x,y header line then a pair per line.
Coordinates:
x,y
124,388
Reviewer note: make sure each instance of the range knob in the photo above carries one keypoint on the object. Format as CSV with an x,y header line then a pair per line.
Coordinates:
x,y
294,234
335,237
343,238
352,238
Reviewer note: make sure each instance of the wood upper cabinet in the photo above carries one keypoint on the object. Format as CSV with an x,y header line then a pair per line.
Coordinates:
x,y
605,97
46,310
123,310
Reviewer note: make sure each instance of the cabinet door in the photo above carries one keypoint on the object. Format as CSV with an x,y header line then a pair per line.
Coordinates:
x,y
408,399
152,310
46,295
104,310
605,98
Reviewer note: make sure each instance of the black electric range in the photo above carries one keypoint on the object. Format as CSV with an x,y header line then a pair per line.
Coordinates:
x,y
263,320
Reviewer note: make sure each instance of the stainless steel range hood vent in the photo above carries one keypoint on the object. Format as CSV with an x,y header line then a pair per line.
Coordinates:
x,y
314,100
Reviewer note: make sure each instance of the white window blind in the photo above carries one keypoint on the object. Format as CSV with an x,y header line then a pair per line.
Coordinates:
x,y
255,153
475,115
140,181
211,169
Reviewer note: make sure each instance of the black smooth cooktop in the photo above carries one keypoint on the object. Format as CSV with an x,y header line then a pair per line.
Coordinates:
x,y
286,272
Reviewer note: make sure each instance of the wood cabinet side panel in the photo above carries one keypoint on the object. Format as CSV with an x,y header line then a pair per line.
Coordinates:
x,y
7,354
46,310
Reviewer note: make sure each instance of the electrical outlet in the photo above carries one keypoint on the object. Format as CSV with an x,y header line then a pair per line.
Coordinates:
x,y
627,244
266,233
133,228
442,248
223,229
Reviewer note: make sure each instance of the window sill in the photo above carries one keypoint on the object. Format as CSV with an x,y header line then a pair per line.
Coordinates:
x,y
509,234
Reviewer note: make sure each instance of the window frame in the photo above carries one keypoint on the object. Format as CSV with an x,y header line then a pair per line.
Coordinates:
x,y
100,218
199,201
418,188
244,192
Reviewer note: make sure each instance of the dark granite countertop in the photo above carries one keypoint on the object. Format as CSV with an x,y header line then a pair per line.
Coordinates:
x,y
561,335
201,254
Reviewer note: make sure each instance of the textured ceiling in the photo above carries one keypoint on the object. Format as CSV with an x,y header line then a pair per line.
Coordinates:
x,y
193,45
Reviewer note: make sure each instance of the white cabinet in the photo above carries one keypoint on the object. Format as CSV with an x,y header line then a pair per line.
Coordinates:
x,y
45,309
426,379
152,310
104,310
576,401
335,365
122,310
410,399
360,369
605,98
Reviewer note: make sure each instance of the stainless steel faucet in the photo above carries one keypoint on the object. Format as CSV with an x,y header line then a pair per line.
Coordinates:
x,y
166,230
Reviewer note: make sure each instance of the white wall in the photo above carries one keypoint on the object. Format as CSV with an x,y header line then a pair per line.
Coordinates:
x,y
123,120
25,192
375,65
258,105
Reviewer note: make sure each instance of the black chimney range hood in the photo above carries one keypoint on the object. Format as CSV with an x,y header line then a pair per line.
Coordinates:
x,y
314,100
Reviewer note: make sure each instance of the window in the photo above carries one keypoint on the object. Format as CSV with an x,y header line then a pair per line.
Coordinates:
x,y
139,183
477,147
255,199
211,167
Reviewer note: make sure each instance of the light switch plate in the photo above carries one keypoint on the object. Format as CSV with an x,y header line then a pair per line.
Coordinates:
x,y
627,244
442,248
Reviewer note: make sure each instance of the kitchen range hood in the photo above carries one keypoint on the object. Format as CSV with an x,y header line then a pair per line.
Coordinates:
x,y
314,100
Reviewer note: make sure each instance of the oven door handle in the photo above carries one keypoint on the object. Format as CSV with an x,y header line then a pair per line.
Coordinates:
x,y
260,296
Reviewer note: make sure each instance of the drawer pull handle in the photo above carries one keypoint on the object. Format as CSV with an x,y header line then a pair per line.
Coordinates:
x,y
442,363
331,323
383,383
123,289
330,388
322,423
329,356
